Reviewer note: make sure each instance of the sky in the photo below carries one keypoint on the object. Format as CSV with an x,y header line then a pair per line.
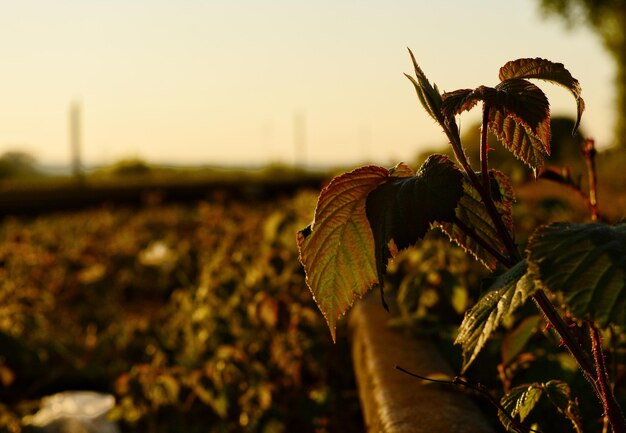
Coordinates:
x,y
273,81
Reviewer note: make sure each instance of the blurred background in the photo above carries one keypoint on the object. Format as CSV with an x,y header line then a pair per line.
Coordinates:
x,y
250,83
158,157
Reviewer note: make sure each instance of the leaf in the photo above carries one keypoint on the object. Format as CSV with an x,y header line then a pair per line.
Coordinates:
x,y
548,71
429,96
560,396
520,401
336,250
458,101
472,213
506,294
528,105
519,116
518,139
587,264
515,341
401,210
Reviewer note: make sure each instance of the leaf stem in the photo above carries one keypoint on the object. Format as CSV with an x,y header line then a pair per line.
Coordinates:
x,y
610,405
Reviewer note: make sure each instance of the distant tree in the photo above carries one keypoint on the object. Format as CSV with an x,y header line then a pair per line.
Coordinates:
x,y
131,167
17,164
608,19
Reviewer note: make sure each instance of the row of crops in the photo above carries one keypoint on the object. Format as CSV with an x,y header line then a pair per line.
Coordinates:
x,y
196,318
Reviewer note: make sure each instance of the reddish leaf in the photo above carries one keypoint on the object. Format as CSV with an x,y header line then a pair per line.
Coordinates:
x,y
545,70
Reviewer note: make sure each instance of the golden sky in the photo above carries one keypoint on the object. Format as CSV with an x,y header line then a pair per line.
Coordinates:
x,y
217,81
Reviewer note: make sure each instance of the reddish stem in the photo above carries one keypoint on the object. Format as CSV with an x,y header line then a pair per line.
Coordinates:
x,y
589,150
609,403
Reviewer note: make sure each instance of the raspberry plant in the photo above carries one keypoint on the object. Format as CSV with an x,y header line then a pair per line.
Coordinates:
x,y
364,217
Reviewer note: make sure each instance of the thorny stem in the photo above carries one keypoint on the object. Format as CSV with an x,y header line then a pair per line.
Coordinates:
x,y
543,302
589,151
484,189
611,408
569,340
484,150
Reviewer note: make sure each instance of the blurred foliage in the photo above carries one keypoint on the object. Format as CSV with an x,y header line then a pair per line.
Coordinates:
x,y
195,317
17,165
608,19
435,282
130,167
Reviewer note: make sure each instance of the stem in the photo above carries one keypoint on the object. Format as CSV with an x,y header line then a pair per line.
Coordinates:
x,y
610,405
544,304
589,151
484,150
483,188
542,301
581,356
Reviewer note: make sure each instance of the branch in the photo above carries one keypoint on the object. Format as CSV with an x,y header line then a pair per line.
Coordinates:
x,y
515,425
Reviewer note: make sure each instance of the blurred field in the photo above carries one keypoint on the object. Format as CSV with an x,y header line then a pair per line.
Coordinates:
x,y
181,294
195,316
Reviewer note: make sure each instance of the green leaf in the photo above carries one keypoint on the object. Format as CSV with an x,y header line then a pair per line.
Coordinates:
x,y
506,294
515,341
520,401
401,210
336,250
472,213
587,264
545,70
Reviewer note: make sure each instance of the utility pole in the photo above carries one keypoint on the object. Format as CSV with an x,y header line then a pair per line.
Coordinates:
x,y
75,135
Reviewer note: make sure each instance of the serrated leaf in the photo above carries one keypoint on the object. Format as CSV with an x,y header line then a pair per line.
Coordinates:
x,y
401,210
587,264
472,213
429,96
528,106
519,402
506,294
519,116
336,250
518,139
458,101
548,71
